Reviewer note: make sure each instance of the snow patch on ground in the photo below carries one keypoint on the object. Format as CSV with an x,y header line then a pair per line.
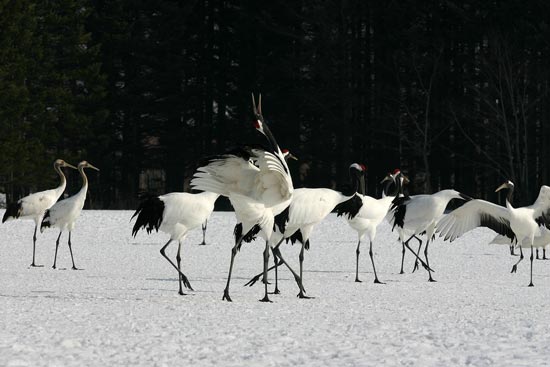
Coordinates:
x,y
123,307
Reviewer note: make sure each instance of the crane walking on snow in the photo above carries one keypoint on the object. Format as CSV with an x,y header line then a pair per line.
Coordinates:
x,y
35,205
176,214
64,213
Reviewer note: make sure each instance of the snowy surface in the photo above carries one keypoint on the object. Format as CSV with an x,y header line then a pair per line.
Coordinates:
x,y
123,307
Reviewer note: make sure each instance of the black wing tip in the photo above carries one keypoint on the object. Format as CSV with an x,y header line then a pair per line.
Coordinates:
x,y
149,214
12,211
350,207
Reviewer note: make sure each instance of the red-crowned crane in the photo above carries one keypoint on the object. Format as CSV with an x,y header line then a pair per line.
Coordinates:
x,y
413,215
35,205
366,217
64,213
307,209
258,184
176,214
520,224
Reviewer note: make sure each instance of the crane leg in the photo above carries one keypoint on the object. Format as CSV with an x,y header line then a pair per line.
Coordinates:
x,y
257,277
544,254
537,252
266,265
71,251
203,226
357,252
297,278
301,258
56,247
430,279
276,266
373,267
402,257
515,266
424,265
531,282
180,279
183,277
34,247
417,253
234,250
512,252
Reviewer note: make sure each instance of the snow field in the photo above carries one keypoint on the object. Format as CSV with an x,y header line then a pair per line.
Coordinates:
x,y
123,307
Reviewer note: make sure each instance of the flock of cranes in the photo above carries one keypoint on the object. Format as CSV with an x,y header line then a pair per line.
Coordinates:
x,y
258,183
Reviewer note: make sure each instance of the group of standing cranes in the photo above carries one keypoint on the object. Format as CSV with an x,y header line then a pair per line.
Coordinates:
x,y
47,210
258,183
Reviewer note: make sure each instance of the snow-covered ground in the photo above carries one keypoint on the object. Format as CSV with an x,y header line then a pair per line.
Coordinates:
x,y
123,307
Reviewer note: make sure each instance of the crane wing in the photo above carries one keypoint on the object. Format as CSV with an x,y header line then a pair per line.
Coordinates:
x,y
475,213
273,181
226,173
541,207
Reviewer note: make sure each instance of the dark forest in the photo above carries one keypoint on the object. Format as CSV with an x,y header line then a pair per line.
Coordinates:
x,y
455,93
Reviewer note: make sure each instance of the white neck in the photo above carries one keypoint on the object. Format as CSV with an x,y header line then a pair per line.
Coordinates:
x,y
59,190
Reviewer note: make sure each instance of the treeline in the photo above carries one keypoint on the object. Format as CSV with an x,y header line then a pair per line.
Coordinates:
x,y
456,93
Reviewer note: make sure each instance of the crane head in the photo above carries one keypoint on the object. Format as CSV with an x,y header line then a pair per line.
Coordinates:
x,y
507,185
85,164
358,169
257,111
288,155
62,163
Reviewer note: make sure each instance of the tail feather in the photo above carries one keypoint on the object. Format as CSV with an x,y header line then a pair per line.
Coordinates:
x,y
13,211
45,221
149,215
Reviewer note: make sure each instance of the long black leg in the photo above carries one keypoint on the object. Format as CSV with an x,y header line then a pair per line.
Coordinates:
x,y
301,258
531,282
357,252
34,247
266,265
257,277
275,261
56,247
515,266
417,254
402,257
71,251
406,243
512,252
537,250
430,279
180,279
226,296
204,225
183,277
373,267
297,278
544,254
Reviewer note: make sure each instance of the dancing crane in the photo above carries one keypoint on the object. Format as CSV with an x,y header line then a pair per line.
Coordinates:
x,y
414,215
258,184
520,224
307,209
64,213
176,214
34,205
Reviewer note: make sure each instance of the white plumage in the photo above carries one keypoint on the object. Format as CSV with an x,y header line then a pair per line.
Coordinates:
x,y
414,215
520,224
372,213
35,205
64,213
256,181
308,208
176,214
